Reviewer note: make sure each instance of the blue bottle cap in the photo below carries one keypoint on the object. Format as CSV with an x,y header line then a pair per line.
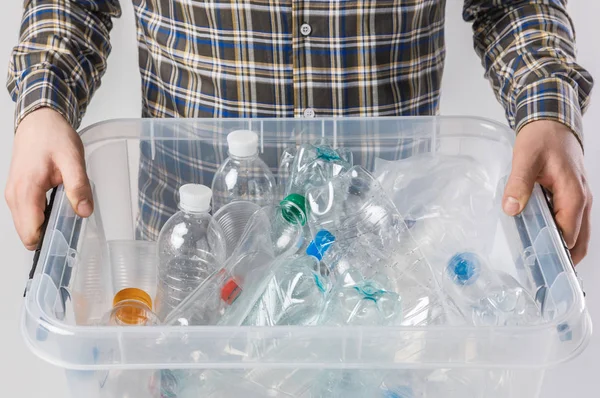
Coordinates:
x,y
320,244
464,268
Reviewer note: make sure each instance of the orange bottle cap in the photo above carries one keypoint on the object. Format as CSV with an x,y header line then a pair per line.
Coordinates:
x,y
132,293
137,311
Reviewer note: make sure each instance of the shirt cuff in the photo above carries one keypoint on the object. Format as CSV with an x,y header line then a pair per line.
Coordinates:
x,y
550,99
44,88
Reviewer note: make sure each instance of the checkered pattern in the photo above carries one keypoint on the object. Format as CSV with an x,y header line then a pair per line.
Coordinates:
x,y
249,58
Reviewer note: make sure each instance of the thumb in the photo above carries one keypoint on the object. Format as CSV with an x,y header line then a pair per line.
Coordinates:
x,y
76,183
525,171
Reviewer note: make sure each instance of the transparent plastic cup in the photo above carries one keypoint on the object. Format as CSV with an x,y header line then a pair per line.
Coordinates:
x,y
134,265
233,218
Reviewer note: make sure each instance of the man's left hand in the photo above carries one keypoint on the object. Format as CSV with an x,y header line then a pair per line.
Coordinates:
x,y
548,152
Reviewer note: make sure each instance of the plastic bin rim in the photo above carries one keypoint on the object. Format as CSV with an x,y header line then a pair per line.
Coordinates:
x,y
508,133
66,365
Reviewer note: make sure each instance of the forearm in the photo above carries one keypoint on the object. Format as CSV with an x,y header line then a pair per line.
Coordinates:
x,y
528,50
61,56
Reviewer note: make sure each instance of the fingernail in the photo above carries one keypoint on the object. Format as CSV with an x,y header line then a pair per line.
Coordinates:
x,y
84,208
512,206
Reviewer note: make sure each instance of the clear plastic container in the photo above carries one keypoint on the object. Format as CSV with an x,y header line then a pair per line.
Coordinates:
x,y
72,286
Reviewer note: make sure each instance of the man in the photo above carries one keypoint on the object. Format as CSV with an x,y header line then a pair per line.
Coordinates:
x,y
285,58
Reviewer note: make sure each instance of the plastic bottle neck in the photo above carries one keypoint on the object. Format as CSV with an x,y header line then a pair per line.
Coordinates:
x,y
242,158
194,213
293,209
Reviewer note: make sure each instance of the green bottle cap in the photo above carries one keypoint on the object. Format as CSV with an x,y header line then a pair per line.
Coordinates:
x,y
293,208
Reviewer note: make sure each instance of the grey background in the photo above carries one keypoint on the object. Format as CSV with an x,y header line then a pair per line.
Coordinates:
x,y
24,375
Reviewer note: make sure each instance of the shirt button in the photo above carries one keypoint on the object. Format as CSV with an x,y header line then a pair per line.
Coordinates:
x,y
309,112
305,29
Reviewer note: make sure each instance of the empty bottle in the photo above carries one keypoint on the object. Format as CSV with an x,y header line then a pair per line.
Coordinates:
x,y
296,293
370,234
131,307
191,246
313,165
272,234
243,175
488,297
353,205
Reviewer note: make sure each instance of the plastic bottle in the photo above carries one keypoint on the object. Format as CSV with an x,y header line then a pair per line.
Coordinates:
x,y
131,307
353,205
243,175
313,165
296,293
191,247
488,297
272,234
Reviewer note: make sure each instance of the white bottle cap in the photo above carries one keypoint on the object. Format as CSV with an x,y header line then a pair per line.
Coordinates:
x,y
242,143
194,198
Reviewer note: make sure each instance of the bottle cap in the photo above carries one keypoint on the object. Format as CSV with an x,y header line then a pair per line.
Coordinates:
x,y
230,291
293,208
319,245
194,198
464,268
242,143
132,313
132,293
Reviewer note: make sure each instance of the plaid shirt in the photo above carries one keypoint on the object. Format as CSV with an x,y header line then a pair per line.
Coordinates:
x,y
285,58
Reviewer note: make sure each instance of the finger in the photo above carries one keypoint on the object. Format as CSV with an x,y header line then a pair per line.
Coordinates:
x,y
579,251
569,201
27,210
525,170
76,183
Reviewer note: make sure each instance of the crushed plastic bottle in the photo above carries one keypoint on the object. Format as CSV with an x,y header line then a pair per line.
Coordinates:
x,y
313,165
296,293
243,175
446,201
488,297
273,233
191,247
370,234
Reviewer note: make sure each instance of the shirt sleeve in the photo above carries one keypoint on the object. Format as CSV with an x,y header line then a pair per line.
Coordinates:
x,y
528,50
61,56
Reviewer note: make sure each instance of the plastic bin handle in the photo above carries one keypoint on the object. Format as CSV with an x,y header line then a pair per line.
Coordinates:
x,y
549,202
38,249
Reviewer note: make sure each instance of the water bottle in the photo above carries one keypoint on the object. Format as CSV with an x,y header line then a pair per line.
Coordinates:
x,y
243,175
446,200
488,297
191,246
353,205
313,165
296,293
272,234
131,307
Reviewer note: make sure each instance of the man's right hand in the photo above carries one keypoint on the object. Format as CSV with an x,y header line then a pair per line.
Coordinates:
x,y
46,152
